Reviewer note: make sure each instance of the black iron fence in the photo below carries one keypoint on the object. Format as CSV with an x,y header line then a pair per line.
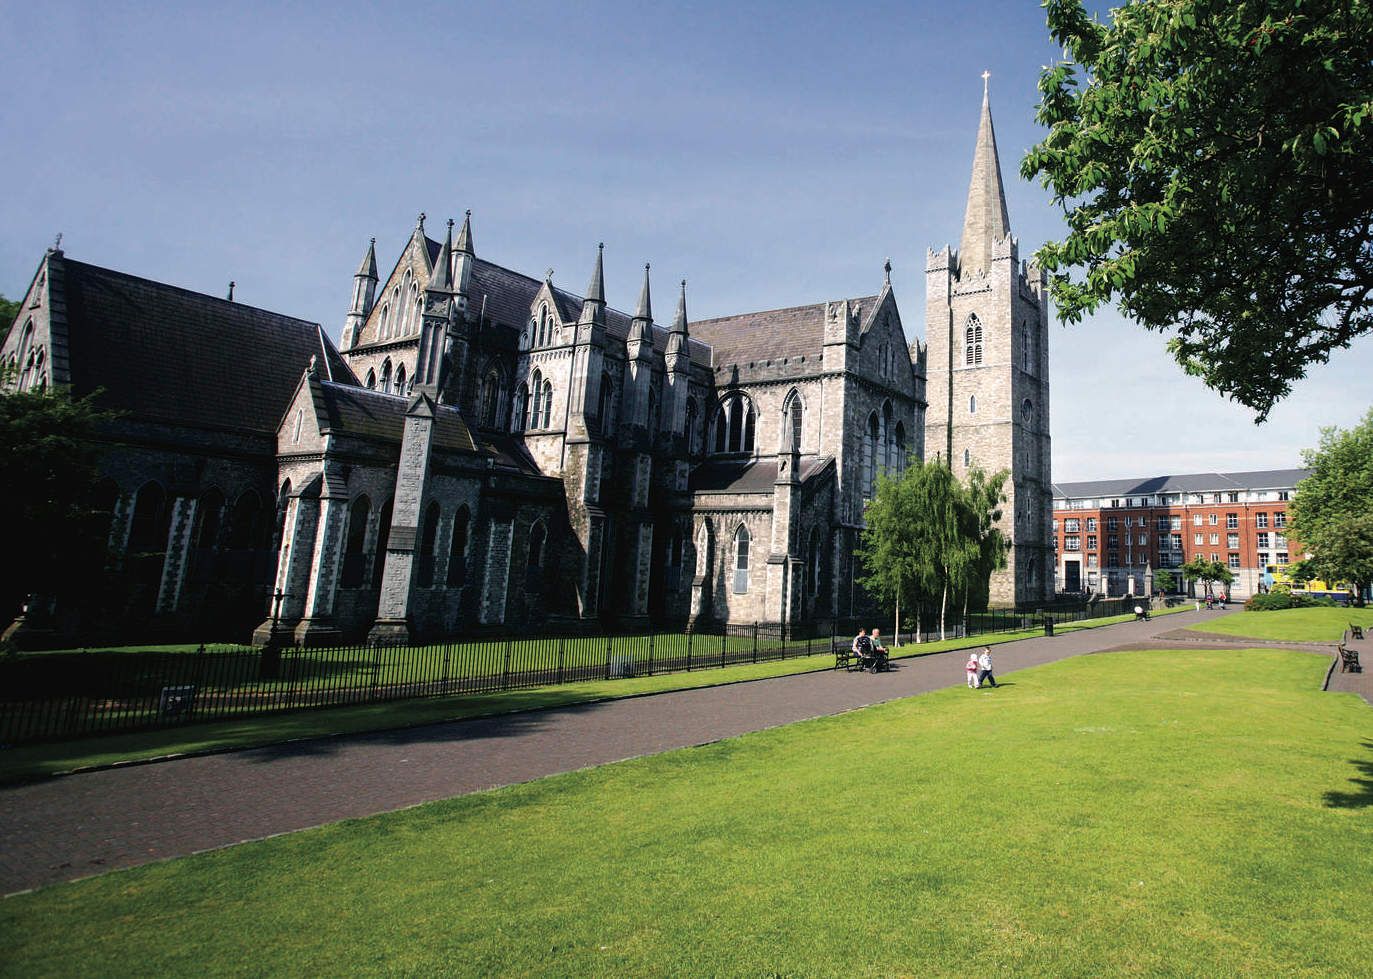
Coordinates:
x,y
61,695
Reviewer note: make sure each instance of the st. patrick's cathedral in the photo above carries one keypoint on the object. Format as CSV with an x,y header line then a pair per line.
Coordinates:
x,y
486,450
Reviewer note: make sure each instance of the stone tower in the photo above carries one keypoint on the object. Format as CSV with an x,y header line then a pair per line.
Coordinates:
x,y
986,325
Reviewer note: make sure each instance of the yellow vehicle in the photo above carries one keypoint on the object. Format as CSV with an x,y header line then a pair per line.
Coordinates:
x,y
1277,575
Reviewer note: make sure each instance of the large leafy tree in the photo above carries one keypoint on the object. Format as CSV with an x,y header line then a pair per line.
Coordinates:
x,y
1207,572
1328,512
48,456
931,542
1212,158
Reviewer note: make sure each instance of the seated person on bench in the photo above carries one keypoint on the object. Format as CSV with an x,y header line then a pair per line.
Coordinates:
x,y
879,652
862,648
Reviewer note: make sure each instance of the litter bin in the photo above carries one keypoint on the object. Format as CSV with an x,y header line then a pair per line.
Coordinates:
x,y
1048,625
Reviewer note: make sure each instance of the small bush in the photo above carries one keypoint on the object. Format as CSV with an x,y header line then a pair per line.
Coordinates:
x,y
1279,599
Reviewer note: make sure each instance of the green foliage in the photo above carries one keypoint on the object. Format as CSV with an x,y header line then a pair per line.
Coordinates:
x,y
1165,581
1207,572
931,543
1275,601
1212,160
1332,513
9,311
48,458
1105,815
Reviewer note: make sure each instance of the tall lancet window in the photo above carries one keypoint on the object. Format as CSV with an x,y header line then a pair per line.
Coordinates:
x,y
741,548
536,419
793,412
972,341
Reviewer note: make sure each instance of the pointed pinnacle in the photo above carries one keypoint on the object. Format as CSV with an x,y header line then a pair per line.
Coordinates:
x,y
595,290
645,310
441,279
464,243
368,268
679,323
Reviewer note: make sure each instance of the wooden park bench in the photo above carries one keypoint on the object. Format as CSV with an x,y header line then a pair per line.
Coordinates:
x,y
1355,631
1349,660
843,656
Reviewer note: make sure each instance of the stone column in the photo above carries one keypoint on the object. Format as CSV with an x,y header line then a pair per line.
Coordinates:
x,y
393,623
178,553
701,582
317,628
293,567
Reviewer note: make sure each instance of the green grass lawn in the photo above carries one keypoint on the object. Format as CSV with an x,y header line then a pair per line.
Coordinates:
x,y
1111,814
1289,624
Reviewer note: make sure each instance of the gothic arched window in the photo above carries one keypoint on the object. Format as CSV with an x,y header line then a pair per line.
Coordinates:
x,y
490,391
813,552
888,438
400,379
972,404
793,414
967,457
734,424
972,341
538,536
385,380
519,411
902,454
741,548
536,400
383,538
371,380
354,555
547,404
870,440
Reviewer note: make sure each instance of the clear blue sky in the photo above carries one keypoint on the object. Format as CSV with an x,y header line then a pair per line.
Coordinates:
x,y
771,154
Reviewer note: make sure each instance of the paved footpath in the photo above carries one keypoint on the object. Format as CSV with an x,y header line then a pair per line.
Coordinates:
x,y
81,825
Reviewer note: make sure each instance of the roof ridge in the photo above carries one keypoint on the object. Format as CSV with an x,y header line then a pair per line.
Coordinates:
x,y
786,309
229,303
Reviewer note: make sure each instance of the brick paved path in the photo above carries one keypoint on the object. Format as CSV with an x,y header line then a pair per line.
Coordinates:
x,y
80,825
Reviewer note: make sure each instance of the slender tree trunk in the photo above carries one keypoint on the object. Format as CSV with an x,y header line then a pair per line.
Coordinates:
x,y
896,640
943,605
965,611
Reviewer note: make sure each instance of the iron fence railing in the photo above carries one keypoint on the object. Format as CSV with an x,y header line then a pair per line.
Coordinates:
x,y
55,696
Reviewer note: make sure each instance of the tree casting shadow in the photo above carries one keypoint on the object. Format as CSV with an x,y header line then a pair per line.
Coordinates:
x,y
1361,797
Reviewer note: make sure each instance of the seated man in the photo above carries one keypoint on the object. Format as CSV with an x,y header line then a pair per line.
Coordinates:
x,y
879,652
862,648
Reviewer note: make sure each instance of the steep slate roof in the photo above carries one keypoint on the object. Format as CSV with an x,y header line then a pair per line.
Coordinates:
x,y
1193,483
364,413
748,476
773,334
172,355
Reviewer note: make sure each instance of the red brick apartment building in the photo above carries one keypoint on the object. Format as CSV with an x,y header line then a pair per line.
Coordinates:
x,y
1110,535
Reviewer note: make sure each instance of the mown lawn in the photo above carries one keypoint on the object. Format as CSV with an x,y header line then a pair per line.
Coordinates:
x,y
1189,813
1289,624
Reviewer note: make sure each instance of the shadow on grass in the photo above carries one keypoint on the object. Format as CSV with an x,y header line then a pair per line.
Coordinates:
x,y
1361,797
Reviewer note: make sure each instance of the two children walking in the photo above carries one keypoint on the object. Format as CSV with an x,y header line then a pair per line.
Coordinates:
x,y
979,668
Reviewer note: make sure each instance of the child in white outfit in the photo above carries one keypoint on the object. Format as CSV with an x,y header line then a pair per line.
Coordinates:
x,y
972,669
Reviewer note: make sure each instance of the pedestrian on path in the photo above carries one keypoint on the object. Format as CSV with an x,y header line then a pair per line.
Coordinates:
x,y
972,667
984,663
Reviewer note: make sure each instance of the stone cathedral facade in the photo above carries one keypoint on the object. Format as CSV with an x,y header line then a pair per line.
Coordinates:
x,y
485,449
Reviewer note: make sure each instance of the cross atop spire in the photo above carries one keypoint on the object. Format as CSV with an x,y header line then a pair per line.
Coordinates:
x,y
985,220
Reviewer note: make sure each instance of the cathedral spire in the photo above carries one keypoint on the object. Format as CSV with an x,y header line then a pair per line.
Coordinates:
x,y
986,220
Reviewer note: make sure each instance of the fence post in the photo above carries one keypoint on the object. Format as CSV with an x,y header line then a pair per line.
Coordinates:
x,y
650,654
505,670
691,637
561,645
376,672
724,639
608,641
755,641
